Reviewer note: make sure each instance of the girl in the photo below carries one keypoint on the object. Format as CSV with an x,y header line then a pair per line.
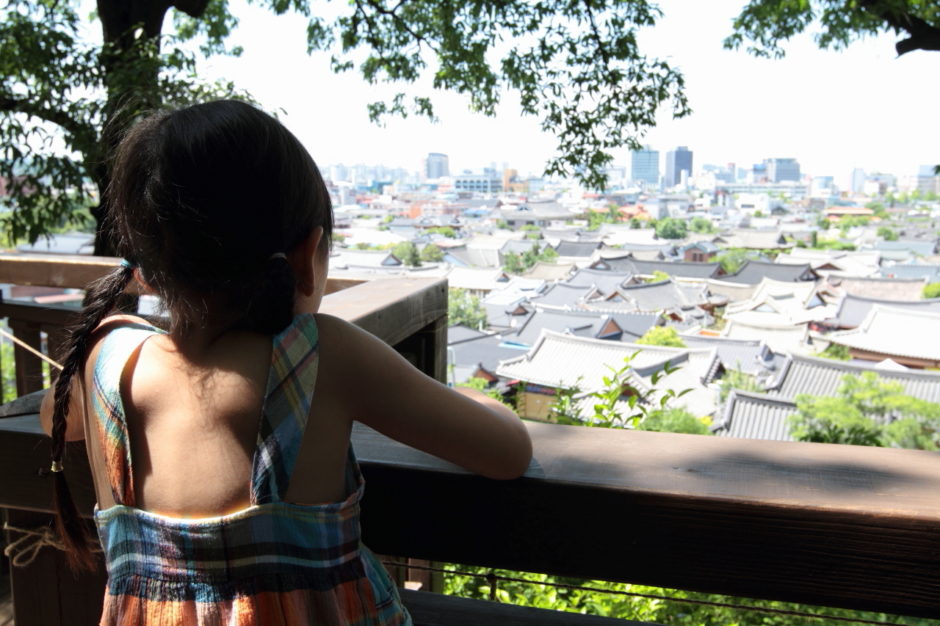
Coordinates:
x,y
227,489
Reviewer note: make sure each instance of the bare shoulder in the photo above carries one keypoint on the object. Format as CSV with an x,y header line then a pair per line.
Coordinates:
x,y
75,427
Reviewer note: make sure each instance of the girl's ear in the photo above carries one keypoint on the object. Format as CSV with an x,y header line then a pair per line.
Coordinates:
x,y
304,259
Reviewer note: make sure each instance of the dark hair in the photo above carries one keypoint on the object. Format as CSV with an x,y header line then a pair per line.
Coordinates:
x,y
204,201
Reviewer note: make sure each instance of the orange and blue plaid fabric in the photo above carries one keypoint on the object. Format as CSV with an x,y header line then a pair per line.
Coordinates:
x,y
272,563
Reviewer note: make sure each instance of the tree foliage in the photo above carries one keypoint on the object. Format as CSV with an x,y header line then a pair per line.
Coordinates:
x,y
518,263
868,411
432,253
465,308
699,224
763,24
662,336
65,100
931,290
407,252
672,228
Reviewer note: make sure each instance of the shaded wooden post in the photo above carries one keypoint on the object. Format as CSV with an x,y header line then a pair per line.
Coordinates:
x,y
28,366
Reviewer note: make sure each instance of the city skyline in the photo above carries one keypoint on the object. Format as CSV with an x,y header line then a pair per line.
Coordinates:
x,y
832,111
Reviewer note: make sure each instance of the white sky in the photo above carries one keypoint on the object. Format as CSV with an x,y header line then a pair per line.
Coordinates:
x,y
861,107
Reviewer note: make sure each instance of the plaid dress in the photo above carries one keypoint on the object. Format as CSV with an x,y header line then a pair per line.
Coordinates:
x,y
272,563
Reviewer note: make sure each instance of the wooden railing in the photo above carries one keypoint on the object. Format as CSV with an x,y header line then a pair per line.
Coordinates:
x,y
831,525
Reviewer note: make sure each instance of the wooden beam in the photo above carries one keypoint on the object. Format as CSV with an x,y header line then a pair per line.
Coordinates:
x,y
821,524
75,271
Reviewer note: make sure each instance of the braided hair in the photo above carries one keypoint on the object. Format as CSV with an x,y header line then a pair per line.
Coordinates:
x,y
205,201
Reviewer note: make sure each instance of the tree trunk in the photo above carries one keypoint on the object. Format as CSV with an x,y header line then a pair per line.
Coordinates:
x,y
131,32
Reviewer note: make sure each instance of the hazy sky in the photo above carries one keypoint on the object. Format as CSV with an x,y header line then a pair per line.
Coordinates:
x,y
861,107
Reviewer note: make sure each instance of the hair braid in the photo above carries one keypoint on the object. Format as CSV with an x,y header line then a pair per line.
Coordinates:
x,y
100,299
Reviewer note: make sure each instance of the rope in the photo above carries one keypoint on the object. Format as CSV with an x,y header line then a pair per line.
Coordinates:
x,y
492,577
29,348
23,551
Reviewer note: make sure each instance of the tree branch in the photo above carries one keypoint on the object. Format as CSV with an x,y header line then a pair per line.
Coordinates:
x,y
192,8
83,133
923,36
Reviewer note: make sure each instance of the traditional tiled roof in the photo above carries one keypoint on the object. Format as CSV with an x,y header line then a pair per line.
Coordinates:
x,y
558,360
821,377
903,289
635,325
580,323
658,296
678,269
751,356
854,309
561,294
734,292
755,416
473,257
350,259
916,246
577,248
783,338
477,279
501,314
753,239
482,352
894,331
550,271
914,270
459,333
754,271
605,281
521,246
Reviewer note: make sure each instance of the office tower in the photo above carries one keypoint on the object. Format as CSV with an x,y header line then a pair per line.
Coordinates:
x,y
644,166
436,165
677,161
928,181
858,180
780,170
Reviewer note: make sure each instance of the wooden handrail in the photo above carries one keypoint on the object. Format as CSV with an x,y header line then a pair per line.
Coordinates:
x,y
75,271
833,525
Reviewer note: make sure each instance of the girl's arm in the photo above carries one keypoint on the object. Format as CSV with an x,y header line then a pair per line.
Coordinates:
x,y
382,390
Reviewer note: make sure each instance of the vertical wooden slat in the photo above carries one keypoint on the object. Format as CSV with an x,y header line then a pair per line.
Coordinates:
x,y
46,592
28,366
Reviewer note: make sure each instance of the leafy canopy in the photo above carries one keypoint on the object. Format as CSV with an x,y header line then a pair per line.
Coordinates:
x,y
868,411
465,308
763,24
66,99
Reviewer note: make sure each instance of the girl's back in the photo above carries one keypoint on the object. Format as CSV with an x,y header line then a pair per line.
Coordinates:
x,y
227,488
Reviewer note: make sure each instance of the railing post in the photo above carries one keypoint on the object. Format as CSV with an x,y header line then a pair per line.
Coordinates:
x,y
28,366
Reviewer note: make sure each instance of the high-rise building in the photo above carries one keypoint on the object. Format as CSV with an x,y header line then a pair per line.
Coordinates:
x,y
779,170
928,181
436,165
644,166
677,161
858,180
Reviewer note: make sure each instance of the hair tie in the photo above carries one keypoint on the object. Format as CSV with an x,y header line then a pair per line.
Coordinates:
x,y
128,264
277,255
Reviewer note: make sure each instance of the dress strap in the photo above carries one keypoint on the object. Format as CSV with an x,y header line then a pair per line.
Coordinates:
x,y
291,381
108,407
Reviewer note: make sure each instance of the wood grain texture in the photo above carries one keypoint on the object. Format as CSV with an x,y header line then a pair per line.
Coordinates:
x,y
830,525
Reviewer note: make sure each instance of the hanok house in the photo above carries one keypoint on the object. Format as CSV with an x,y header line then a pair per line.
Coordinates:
x,y
905,336
698,252
563,361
